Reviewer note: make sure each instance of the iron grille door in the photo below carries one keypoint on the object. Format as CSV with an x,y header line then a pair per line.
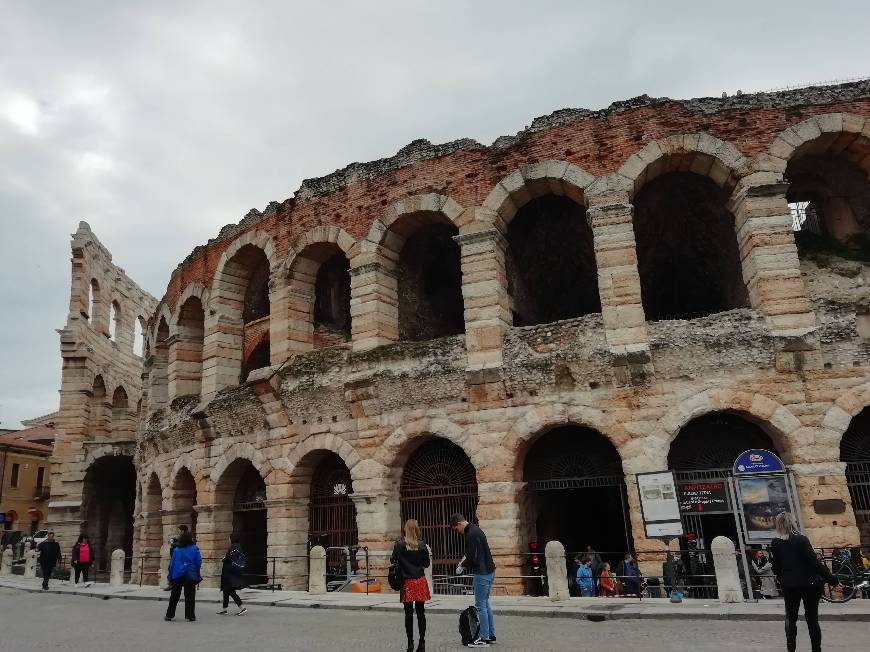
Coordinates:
x,y
332,515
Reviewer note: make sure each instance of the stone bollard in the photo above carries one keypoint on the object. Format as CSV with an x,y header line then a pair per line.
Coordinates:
x,y
163,574
317,571
6,562
557,573
30,564
727,575
116,575
428,573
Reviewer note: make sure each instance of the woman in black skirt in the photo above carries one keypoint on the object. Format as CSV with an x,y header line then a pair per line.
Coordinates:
x,y
413,557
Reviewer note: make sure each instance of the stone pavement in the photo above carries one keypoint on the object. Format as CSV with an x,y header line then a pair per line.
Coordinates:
x,y
609,608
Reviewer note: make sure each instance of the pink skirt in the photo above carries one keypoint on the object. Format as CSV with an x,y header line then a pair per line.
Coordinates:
x,y
416,590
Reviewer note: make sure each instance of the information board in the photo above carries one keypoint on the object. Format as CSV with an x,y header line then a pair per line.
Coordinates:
x,y
704,497
659,504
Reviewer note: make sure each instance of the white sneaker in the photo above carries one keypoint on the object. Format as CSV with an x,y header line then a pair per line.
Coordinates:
x,y
222,612
242,611
478,643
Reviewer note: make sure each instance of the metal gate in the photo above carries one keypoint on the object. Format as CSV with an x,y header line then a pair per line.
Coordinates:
x,y
858,480
332,515
249,522
439,480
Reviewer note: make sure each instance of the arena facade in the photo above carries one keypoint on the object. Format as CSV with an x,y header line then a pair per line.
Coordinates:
x,y
512,331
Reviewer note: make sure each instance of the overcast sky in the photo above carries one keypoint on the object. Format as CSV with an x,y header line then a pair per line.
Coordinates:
x,y
159,122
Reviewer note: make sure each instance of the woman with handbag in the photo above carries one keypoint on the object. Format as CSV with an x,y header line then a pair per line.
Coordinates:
x,y
81,559
801,575
184,574
409,559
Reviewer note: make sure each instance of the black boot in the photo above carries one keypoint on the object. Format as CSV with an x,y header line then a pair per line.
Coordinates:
x,y
421,646
410,645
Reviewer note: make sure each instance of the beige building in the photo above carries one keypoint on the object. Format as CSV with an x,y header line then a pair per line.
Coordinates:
x,y
25,475
513,331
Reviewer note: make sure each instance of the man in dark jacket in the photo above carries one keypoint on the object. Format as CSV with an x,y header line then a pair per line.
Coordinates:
x,y
49,555
478,561
233,576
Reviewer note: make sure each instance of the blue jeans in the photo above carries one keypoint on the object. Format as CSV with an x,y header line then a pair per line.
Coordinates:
x,y
482,589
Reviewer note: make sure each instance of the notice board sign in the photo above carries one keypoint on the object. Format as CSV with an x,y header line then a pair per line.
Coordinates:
x,y
763,499
704,497
659,504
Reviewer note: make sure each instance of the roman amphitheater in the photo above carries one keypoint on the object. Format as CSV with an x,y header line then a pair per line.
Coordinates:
x,y
513,331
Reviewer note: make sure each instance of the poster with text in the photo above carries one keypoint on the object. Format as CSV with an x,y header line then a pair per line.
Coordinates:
x,y
763,499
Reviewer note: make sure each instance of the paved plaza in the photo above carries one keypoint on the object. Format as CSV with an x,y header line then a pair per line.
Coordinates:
x,y
51,621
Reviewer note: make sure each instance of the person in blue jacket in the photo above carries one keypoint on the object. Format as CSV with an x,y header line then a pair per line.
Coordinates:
x,y
585,582
184,574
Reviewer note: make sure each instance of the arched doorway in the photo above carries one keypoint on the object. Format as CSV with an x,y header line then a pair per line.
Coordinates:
x,y
332,516
184,499
438,481
241,489
108,500
152,530
576,493
702,456
855,451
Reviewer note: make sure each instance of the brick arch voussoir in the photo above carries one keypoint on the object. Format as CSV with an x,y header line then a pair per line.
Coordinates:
x,y
240,451
257,238
197,290
323,442
429,203
534,180
163,312
839,416
397,443
323,234
793,139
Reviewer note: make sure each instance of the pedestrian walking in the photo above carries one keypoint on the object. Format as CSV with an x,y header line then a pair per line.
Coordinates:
x,y
412,557
573,587
629,575
184,574
766,577
233,576
49,555
606,582
81,558
801,575
478,561
585,579
173,543
597,563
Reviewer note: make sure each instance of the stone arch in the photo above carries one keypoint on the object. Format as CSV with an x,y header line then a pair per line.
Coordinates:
x,y
187,342
404,440
257,238
240,451
840,414
532,181
109,490
197,290
837,132
163,312
316,274
323,442
433,203
700,153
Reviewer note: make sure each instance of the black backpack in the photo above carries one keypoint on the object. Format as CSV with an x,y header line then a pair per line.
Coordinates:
x,y
395,577
469,625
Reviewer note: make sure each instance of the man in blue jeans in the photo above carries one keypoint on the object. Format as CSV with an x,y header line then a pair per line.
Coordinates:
x,y
478,562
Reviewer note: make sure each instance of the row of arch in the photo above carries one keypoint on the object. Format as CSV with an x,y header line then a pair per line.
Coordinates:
x,y
118,324
410,266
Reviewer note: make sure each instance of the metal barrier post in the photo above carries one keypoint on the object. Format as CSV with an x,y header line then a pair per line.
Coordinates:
x,y
141,569
273,574
367,569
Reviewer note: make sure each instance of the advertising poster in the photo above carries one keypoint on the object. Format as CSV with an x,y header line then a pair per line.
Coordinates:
x,y
659,504
704,497
763,498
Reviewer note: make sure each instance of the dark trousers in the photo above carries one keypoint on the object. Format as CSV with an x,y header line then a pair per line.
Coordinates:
x,y
231,593
81,571
47,570
420,609
810,597
189,599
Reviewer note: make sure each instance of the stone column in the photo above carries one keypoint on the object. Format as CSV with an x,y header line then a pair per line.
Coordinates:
x,y
771,269
116,577
214,524
6,562
300,310
484,291
610,218
30,564
317,571
287,520
727,575
822,487
557,578
500,517
222,351
379,521
374,304
280,321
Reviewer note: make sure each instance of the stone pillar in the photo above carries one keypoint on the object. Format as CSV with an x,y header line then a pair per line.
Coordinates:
x,y
163,571
287,520
822,487
379,523
557,578
300,309
280,311
6,562
484,292
727,575
374,304
30,564
214,525
499,516
771,269
116,578
222,351
317,571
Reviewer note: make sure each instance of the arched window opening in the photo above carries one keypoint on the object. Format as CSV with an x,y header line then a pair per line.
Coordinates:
x,y
184,499
332,301
688,258
114,321
832,196
99,420
93,300
551,262
439,480
159,394
429,282
139,336
123,423
332,516
258,356
257,291
186,352
152,530
108,499
242,491
570,466
855,451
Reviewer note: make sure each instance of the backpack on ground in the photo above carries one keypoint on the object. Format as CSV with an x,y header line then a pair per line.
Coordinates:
x,y
469,625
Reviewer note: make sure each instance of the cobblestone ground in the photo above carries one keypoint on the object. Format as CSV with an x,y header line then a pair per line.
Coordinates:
x,y
30,621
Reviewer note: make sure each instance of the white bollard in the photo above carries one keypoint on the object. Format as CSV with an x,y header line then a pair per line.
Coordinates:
x,y
557,573
116,573
317,571
163,579
6,562
30,563
727,575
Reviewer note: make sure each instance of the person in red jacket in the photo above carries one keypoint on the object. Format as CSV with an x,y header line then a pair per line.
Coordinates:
x,y
82,557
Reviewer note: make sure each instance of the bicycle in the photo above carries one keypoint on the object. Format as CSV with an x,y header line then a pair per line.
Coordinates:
x,y
851,578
